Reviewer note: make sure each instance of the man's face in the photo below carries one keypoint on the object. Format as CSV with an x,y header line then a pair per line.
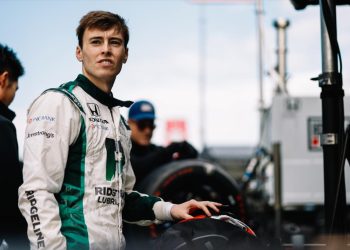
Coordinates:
x,y
8,89
142,131
102,54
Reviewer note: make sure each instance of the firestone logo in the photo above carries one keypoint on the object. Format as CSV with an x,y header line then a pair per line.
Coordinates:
x,y
44,133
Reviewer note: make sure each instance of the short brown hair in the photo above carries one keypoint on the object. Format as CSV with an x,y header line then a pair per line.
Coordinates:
x,y
102,20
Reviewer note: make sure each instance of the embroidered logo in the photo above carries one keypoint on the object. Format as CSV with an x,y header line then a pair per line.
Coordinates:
x,y
94,109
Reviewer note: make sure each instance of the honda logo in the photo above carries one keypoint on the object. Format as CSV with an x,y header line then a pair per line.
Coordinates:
x,y
94,109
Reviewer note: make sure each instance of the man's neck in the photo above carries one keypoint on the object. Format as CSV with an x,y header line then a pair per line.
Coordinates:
x,y
102,84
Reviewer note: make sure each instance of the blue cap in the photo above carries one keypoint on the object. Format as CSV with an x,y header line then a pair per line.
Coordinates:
x,y
141,110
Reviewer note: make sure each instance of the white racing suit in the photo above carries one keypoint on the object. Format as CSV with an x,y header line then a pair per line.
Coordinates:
x,y
78,180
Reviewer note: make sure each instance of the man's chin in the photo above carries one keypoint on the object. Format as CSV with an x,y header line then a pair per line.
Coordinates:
x,y
108,77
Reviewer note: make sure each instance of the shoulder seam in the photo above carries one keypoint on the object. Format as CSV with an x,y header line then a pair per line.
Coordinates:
x,y
70,96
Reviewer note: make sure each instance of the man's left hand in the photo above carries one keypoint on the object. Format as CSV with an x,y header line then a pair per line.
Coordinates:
x,y
183,211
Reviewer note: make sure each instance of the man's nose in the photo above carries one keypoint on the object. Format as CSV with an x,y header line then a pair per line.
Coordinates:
x,y
106,47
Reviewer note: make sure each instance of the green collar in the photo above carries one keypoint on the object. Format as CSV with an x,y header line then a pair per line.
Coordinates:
x,y
98,94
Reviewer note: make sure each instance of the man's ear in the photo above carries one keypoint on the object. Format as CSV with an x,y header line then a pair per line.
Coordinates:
x,y
4,79
79,54
125,59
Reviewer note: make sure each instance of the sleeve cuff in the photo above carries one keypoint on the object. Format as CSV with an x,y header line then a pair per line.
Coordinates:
x,y
162,209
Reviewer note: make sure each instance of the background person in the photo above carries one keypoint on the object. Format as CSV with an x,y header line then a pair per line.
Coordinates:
x,y
12,224
146,156
78,180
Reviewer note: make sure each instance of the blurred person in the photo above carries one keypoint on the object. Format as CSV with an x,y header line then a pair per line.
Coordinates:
x,y
78,180
146,156
12,224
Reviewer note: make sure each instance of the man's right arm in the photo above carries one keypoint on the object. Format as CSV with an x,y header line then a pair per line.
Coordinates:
x,y
52,123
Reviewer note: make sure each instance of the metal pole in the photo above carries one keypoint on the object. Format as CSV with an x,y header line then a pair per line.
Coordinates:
x,y
277,188
202,75
281,25
333,127
259,15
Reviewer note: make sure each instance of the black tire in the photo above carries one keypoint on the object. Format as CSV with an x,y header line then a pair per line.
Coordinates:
x,y
180,181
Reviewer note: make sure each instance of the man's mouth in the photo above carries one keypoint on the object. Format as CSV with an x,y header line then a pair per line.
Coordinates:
x,y
106,62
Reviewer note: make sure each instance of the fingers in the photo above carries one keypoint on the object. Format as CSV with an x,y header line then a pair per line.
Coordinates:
x,y
205,210
184,210
214,206
205,205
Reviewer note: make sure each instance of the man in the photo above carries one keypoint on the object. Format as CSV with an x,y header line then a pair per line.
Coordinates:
x,y
78,180
12,224
146,156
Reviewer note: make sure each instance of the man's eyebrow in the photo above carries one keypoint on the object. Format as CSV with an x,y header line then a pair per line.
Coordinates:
x,y
110,38
95,37
116,38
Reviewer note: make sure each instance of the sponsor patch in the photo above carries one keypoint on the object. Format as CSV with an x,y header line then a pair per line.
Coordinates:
x,y
107,195
98,120
41,133
98,126
98,123
41,118
94,109
35,219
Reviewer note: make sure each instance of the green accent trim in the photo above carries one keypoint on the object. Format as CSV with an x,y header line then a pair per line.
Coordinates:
x,y
71,196
126,125
70,87
70,95
111,163
139,207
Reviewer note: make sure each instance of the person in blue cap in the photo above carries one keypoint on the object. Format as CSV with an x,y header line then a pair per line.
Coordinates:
x,y
146,156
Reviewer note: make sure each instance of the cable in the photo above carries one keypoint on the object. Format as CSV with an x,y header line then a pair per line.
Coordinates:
x,y
342,165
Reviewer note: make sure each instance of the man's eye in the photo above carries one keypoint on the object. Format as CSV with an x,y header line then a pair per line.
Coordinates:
x,y
95,42
116,42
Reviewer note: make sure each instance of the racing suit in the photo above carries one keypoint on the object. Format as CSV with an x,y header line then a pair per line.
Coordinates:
x,y
78,180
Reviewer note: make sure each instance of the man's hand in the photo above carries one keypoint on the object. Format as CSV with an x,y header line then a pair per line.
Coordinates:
x,y
182,150
183,211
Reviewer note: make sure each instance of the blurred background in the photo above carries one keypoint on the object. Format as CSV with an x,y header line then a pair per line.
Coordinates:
x,y
197,61
210,69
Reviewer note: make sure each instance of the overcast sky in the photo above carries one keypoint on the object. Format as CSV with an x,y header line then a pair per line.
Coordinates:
x,y
164,54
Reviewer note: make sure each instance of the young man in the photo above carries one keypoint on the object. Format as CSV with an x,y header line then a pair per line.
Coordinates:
x,y
78,180
146,156
12,224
